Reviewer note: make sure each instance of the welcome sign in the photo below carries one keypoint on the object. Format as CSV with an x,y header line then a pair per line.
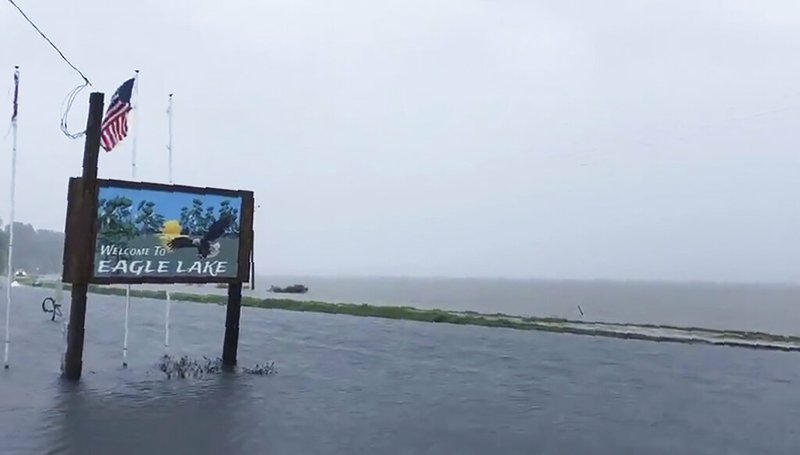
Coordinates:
x,y
152,233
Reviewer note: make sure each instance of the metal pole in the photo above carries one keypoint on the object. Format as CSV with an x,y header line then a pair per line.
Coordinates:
x,y
169,150
166,325
10,271
125,336
169,142
134,118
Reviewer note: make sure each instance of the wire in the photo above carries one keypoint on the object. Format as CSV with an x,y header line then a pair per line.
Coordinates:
x,y
51,43
66,106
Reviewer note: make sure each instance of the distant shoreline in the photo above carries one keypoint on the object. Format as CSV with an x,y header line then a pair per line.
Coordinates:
x,y
644,332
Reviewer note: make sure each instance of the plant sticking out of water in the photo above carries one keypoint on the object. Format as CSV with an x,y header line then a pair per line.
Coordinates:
x,y
186,367
261,370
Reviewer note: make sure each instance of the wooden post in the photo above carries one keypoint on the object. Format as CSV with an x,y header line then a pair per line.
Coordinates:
x,y
231,343
79,251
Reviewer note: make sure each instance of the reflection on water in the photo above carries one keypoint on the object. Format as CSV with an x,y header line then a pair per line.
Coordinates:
x,y
148,417
355,385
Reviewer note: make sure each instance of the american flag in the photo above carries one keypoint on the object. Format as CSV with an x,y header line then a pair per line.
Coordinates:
x,y
115,124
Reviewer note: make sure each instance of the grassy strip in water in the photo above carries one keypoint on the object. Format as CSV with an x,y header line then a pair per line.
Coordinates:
x,y
716,337
388,312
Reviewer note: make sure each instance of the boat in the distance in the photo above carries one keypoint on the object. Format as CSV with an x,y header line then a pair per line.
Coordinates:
x,y
293,289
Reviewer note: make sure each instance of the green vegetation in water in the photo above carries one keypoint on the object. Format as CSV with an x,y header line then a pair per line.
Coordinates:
x,y
186,367
757,340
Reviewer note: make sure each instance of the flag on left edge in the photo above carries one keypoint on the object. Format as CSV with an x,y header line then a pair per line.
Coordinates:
x,y
16,94
115,124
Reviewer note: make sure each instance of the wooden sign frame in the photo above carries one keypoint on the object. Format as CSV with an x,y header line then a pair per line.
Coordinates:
x,y
81,234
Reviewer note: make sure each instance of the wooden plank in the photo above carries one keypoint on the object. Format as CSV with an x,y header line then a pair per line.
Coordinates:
x,y
246,236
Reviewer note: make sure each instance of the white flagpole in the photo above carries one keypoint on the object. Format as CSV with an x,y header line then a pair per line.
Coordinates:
x,y
125,338
169,143
134,118
169,150
10,270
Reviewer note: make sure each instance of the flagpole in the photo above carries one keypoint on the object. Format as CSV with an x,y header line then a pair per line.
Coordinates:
x,y
169,150
10,271
135,116
169,143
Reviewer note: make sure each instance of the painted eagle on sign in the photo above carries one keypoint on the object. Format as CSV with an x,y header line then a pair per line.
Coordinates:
x,y
207,245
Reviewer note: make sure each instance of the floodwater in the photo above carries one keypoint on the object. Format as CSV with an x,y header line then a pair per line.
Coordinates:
x,y
350,385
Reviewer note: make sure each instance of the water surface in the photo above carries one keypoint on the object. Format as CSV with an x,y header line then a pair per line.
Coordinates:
x,y
352,385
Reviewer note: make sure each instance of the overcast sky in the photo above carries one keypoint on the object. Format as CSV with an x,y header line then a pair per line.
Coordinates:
x,y
616,139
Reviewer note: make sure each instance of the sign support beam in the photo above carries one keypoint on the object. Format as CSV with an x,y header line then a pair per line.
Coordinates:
x,y
234,310
79,252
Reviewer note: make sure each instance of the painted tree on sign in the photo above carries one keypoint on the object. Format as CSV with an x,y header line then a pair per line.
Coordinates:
x,y
116,222
147,220
119,223
196,220
226,209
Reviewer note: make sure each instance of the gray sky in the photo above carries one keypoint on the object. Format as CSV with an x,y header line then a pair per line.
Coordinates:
x,y
616,139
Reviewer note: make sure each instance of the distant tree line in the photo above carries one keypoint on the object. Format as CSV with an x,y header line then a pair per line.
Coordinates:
x,y
35,251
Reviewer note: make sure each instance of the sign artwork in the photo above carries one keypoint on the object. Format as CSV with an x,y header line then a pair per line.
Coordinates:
x,y
146,233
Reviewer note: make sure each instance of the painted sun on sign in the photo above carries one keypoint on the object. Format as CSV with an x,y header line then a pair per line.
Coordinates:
x,y
147,234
